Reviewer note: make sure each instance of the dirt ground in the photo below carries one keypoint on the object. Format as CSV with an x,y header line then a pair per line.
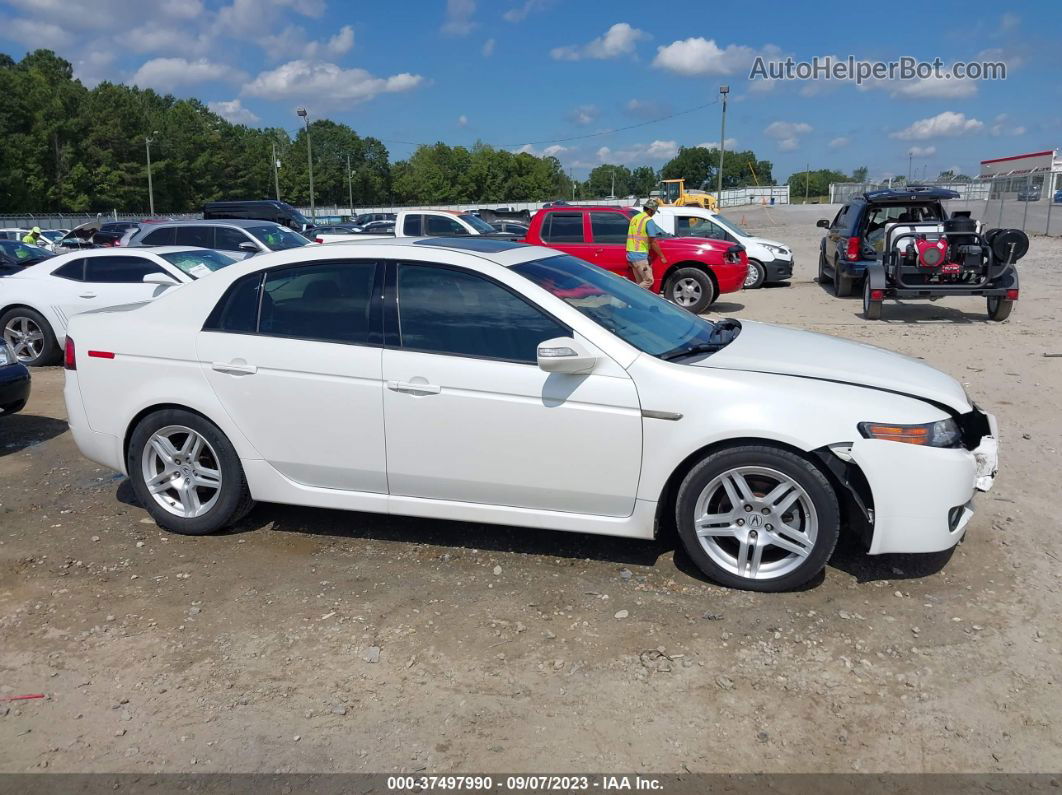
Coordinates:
x,y
312,640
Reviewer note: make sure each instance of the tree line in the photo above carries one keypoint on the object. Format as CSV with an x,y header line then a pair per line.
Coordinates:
x,y
69,148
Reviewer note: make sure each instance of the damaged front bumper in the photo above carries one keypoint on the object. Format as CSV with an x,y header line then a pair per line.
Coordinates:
x,y
923,496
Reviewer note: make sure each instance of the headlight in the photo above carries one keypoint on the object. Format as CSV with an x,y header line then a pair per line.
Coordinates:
x,y
942,433
6,356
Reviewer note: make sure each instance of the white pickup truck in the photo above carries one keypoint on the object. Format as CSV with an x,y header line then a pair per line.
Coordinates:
x,y
427,223
769,260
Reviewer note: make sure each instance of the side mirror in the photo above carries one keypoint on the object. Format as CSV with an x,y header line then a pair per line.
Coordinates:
x,y
249,247
564,355
823,223
163,279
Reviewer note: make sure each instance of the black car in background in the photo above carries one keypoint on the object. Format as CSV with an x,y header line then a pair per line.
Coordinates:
x,y
511,228
14,256
265,210
855,235
367,218
14,381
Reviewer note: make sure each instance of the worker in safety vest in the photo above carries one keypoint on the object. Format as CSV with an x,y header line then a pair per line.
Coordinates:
x,y
33,237
642,235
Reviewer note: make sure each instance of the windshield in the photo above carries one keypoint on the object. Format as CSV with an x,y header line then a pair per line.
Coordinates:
x,y
23,252
198,263
51,234
478,224
278,238
731,225
633,314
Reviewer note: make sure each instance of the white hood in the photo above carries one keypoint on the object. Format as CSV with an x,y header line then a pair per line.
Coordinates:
x,y
766,348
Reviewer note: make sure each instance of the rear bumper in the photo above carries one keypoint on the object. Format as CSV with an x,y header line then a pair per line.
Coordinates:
x,y
855,269
103,448
14,384
923,496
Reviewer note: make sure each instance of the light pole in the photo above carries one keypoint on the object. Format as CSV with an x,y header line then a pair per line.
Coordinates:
x,y
910,162
723,91
151,190
350,187
276,171
612,193
309,159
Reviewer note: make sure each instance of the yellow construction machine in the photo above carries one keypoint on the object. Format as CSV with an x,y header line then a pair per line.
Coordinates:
x,y
673,192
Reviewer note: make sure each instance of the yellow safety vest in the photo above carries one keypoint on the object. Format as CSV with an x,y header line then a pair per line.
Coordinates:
x,y
637,239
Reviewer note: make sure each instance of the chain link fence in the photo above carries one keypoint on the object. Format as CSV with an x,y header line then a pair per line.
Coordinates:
x,y
1030,202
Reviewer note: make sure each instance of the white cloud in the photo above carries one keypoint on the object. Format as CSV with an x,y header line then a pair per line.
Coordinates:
x,y
182,9
520,12
488,48
1001,126
935,88
41,34
550,151
234,111
168,74
330,83
618,40
638,154
922,151
944,125
462,120
459,15
701,56
584,114
787,133
339,44
839,142
730,144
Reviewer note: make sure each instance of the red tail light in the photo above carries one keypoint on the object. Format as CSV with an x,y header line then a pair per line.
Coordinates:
x,y
318,240
69,357
1012,295
855,248
877,295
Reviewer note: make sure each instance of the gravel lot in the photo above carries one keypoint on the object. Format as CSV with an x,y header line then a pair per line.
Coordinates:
x,y
312,640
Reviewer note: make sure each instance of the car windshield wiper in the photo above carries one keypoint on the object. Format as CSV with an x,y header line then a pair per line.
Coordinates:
x,y
689,350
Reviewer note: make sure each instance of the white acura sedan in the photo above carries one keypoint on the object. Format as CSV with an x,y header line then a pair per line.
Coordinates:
x,y
487,381
37,302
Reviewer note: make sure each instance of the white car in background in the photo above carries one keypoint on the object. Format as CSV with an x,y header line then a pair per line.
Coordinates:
x,y
769,260
486,381
37,302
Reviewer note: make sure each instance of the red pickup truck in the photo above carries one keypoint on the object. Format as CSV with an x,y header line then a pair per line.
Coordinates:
x,y
698,269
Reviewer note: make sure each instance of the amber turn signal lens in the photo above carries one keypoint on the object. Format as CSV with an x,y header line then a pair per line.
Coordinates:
x,y
911,434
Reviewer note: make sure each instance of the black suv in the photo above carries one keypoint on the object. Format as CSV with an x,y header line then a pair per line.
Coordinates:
x,y
855,237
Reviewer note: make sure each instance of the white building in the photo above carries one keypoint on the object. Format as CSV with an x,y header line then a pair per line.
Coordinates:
x,y
1039,171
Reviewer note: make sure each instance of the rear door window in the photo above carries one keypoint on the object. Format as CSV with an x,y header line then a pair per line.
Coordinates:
x,y
119,269
412,226
329,302
563,228
199,236
159,237
609,227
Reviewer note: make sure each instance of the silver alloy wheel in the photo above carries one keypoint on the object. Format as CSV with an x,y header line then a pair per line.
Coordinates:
x,y
756,522
181,471
753,275
25,338
686,292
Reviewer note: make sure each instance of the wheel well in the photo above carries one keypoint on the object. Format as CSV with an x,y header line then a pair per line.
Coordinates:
x,y
9,307
848,481
690,264
151,410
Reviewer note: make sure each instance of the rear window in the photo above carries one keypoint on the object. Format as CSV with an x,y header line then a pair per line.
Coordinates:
x,y
159,237
563,228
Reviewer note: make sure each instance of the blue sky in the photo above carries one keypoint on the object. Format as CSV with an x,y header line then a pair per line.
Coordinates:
x,y
562,77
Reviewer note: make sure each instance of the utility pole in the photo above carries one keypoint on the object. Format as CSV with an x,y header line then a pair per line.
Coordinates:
x,y
571,179
350,187
807,179
276,171
301,111
910,160
612,192
723,91
151,191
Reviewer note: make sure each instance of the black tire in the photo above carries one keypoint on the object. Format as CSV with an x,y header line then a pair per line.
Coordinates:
x,y
704,282
49,353
755,282
822,277
842,285
871,309
234,500
13,408
817,492
999,308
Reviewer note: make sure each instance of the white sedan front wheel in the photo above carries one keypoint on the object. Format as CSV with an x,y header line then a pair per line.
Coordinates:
x,y
757,517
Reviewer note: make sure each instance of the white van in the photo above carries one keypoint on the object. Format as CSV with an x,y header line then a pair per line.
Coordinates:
x,y
769,260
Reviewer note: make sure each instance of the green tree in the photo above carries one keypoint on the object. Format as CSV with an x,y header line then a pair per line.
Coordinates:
x,y
817,183
602,178
699,166
860,174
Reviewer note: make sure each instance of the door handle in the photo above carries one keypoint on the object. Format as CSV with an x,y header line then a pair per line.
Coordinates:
x,y
408,388
87,295
232,368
